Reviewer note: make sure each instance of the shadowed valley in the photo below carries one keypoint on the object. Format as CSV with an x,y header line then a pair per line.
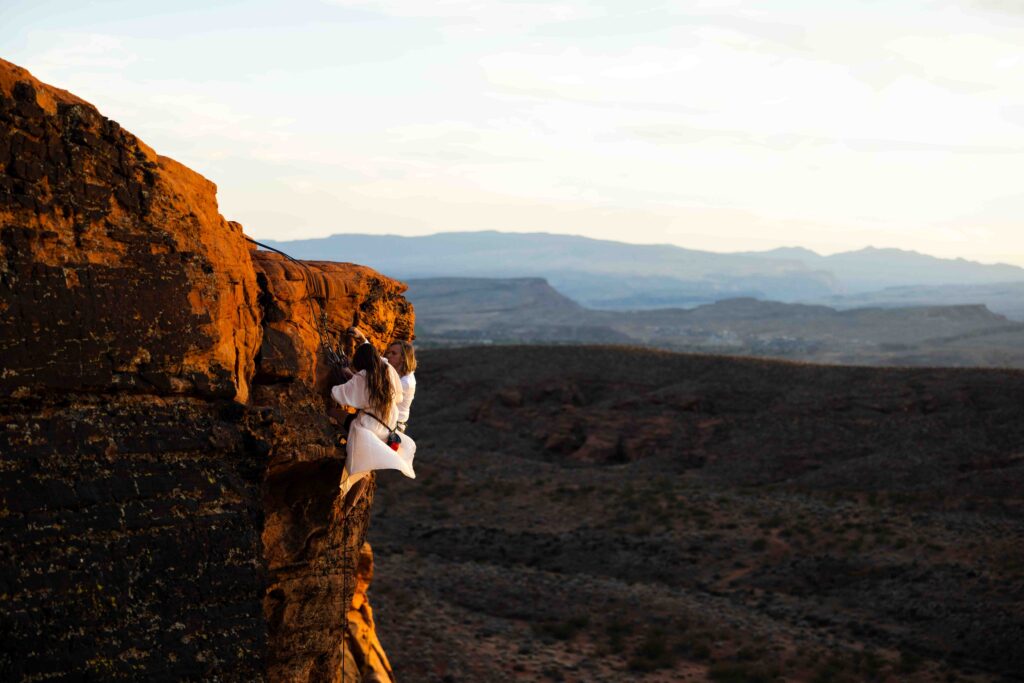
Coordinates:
x,y
602,513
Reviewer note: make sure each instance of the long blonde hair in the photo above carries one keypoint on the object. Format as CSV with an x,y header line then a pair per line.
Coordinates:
x,y
408,356
379,392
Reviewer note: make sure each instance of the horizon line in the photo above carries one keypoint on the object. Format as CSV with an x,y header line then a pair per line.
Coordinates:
x,y
868,247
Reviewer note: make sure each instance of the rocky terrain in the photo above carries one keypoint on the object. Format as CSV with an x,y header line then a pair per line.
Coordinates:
x,y
169,498
460,311
610,514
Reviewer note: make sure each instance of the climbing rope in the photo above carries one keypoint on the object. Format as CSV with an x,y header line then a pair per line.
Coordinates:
x,y
337,360
346,601
316,293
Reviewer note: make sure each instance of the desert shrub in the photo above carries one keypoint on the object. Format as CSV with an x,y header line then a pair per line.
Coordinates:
x,y
869,663
749,654
503,488
442,489
652,653
742,672
694,645
909,662
563,629
617,632
834,670
554,674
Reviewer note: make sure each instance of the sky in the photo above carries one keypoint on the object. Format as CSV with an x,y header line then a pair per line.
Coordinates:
x,y
714,124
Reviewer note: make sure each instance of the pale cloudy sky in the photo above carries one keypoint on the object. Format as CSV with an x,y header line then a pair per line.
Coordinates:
x,y
714,124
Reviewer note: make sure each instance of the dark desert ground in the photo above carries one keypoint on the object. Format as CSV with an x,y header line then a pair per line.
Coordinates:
x,y
612,514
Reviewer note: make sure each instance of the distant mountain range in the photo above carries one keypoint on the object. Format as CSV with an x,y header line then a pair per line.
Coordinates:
x,y
465,311
1006,298
619,276
871,269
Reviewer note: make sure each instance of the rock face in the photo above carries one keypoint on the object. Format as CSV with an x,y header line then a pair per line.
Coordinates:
x,y
168,475
311,544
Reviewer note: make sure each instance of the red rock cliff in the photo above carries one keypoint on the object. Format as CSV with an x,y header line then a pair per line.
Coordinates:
x,y
168,475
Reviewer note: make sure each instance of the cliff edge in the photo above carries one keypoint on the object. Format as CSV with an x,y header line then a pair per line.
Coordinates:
x,y
168,476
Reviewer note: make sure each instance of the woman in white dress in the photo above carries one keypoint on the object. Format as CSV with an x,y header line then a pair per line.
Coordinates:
x,y
373,440
402,357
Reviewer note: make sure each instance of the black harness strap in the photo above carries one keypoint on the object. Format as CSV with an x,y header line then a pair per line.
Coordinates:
x,y
382,422
393,439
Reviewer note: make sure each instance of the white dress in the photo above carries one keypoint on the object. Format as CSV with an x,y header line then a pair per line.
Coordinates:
x,y
408,392
366,450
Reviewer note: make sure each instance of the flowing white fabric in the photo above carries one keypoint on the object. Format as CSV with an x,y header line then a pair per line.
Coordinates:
x,y
366,450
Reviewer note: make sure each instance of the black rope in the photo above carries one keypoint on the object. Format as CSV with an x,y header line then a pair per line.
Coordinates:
x,y
346,601
316,292
338,361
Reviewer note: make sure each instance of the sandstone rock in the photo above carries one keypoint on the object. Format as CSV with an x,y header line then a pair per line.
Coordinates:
x,y
168,476
116,263
311,542
363,639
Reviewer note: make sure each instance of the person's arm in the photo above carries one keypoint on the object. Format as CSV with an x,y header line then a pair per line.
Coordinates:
x,y
405,405
410,393
337,413
351,393
357,334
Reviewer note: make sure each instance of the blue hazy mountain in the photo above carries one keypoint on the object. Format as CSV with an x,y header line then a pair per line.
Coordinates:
x,y
619,276
470,311
871,269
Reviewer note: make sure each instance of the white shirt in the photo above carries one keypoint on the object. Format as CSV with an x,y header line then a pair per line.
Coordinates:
x,y
354,393
408,392
366,450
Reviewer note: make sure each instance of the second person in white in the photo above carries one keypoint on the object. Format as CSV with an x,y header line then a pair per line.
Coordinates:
x,y
376,391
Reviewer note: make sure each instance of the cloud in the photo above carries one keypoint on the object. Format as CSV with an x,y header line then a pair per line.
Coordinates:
x,y
1010,7
489,13
983,61
74,51
681,134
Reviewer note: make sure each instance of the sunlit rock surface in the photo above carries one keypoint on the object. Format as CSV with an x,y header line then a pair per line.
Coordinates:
x,y
312,551
168,476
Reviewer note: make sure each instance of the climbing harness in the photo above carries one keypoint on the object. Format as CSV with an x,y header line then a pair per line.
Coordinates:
x,y
393,440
